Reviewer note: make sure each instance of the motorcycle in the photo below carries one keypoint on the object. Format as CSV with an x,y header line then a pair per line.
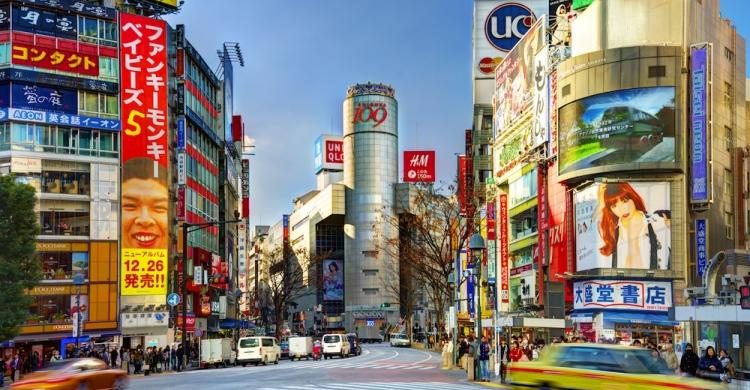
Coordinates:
x,y
317,351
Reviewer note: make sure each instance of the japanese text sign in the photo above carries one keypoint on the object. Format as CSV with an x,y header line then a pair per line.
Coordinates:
x,y
55,59
145,195
623,295
37,97
504,263
701,245
419,166
699,190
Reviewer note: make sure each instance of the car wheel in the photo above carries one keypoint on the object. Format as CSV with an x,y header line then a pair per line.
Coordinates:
x,y
244,364
265,361
277,360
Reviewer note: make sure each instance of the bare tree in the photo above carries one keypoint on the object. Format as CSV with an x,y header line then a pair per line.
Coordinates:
x,y
287,276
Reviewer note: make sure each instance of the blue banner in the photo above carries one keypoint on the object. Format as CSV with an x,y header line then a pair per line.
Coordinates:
x,y
37,97
701,246
699,189
181,132
56,118
470,290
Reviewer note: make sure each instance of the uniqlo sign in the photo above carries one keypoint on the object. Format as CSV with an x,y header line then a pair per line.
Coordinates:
x,y
334,153
145,161
419,166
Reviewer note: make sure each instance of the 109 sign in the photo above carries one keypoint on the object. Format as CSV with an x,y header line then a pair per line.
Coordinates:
x,y
507,24
376,112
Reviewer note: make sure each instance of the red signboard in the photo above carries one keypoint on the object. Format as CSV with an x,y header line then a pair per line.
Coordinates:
x,y
560,217
419,166
180,203
462,172
334,153
543,223
504,271
491,220
145,160
189,324
238,128
55,59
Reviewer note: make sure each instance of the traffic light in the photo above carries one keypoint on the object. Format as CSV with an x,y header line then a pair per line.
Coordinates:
x,y
745,297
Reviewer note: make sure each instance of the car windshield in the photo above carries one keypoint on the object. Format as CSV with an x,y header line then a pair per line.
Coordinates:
x,y
331,339
248,343
628,361
400,337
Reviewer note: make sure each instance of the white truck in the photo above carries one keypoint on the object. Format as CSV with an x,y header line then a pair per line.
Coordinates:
x,y
217,352
300,347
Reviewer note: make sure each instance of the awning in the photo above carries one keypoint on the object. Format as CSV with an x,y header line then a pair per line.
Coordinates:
x,y
229,323
661,319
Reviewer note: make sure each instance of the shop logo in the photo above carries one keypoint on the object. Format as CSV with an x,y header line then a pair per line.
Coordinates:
x,y
375,112
487,65
507,24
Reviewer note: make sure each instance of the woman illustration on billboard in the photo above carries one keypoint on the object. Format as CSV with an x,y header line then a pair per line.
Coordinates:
x,y
633,238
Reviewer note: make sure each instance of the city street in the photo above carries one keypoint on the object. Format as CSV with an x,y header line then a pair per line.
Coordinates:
x,y
379,367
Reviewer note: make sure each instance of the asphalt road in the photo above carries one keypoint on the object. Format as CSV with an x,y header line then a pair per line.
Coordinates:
x,y
379,367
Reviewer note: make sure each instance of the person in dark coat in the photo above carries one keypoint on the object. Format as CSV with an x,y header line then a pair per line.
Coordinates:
x,y
710,366
689,361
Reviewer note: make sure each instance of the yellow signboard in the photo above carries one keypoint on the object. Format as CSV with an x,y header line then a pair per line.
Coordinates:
x,y
144,271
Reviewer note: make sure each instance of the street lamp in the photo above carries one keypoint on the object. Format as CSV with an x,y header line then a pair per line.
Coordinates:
x,y
476,245
78,281
186,230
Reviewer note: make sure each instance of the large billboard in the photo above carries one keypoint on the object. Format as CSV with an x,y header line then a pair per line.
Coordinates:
x,y
419,166
623,295
498,27
700,187
621,127
623,225
55,59
145,160
329,153
520,84
333,280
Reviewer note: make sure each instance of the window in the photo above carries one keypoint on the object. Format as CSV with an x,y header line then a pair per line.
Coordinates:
x,y
109,68
487,122
72,183
728,184
729,224
728,54
728,138
63,265
96,31
5,54
728,95
657,71
98,104
51,309
484,174
65,223
523,189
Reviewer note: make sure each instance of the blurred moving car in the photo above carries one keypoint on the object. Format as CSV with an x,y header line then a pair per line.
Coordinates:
x,y
400,340
354,346
599,366
75,374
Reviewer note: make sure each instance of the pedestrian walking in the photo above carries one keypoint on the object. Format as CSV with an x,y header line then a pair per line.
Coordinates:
x,y
113,357
503,358
180,354
125,360
484,360
689,361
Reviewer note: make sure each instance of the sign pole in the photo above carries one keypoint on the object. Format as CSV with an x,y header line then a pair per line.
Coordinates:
x,y
185,345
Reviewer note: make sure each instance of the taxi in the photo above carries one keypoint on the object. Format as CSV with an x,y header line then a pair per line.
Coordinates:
x,y
601,367
86,373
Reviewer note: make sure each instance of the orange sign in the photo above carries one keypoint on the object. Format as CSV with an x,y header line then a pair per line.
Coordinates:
x,y
55,59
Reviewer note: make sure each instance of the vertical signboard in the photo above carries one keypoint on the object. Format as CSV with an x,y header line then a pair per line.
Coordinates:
x,y
700,186
145,163
245,182
504,266
553,113
462,172
539,105
701,246
470,294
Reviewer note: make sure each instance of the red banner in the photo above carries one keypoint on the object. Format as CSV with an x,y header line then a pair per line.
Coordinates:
x,y
462,172
419,166
542,218
145,160
55,59
491,220
504,266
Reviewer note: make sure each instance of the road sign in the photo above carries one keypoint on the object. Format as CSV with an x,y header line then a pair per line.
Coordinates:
x,y
198,333
173,299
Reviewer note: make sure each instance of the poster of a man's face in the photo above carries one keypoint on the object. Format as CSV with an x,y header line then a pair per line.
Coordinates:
x,y
333,280
145,207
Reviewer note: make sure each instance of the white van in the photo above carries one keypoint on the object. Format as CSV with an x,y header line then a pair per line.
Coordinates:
x,y
259,349
335,345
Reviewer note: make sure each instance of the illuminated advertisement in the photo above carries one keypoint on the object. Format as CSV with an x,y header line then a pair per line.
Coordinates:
x,y
145,163
516,81
623,225
623,295
333,280
699,190
55,59
620,127
419,166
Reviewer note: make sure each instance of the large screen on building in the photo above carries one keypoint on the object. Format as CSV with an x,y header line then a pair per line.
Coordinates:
x,y
620,127
145,160
623,225
333,280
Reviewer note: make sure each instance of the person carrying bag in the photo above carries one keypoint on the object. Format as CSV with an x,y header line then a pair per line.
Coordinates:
x,y
709,366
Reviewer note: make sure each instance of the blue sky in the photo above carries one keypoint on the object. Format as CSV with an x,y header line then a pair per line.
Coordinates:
x,y
301,56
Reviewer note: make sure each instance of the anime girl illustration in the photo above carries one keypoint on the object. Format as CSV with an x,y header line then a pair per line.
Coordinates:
x,y
633,237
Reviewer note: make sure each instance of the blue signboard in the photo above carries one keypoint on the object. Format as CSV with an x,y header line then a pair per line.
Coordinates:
x,y
37,78
181,132
470,290
701,245
37,97
643,295
56,118
173,299
318,153
699,189
507,24
5,95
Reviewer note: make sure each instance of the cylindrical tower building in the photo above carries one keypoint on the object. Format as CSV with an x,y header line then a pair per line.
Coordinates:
x,y
370,172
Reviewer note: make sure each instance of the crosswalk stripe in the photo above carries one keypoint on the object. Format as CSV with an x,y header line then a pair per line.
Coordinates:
x,y
377,386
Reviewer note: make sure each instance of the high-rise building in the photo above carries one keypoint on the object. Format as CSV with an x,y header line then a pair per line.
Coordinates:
x,y
370,171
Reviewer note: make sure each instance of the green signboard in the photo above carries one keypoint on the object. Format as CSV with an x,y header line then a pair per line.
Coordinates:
x,y
578,4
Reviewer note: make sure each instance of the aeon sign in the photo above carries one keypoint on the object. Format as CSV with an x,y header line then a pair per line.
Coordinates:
x,y
372,112
507,24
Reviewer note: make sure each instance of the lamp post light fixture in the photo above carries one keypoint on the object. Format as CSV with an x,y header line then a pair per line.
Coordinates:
x,y
476,246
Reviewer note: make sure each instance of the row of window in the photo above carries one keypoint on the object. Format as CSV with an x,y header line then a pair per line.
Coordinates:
x,y
192,102
200,141
201,81
61,266
57,139
65,223
98,105
51,182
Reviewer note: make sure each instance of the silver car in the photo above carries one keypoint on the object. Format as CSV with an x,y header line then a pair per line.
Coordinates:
x,y
400,340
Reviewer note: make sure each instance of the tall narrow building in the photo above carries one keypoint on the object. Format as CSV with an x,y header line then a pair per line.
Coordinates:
x,y
370,171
